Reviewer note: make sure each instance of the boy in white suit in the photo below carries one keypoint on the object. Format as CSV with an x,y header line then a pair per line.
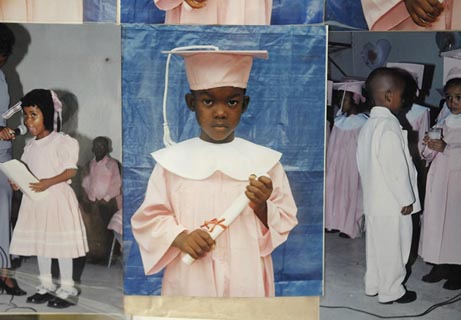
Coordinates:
x,y
388,176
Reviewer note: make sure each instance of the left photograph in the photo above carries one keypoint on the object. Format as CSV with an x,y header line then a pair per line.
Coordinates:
x,y
60,171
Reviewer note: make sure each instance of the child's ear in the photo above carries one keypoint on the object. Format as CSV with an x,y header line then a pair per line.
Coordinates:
x,y
388,96
190,101
246,102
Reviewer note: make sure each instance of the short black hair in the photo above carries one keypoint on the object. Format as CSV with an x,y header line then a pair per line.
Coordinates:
x,y
452,82
43,100
103,140
410,90
6,40
397,77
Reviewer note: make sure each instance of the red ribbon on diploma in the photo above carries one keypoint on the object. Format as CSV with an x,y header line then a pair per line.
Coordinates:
x,y
213,222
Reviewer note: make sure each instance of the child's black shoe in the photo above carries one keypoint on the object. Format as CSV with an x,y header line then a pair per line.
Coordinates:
x,y
452,284
437,273
65,297
59,303
39,298
408,297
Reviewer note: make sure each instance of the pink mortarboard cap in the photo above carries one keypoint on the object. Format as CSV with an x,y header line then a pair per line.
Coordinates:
x,y
353,86
415,69
207,69
453,73
350,86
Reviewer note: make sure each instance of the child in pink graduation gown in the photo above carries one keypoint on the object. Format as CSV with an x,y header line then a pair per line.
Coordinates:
x,y
442,219
412,15
196,181
233,12
343,205
51,227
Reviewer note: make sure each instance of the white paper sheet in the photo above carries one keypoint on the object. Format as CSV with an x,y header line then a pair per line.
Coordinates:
x,y
18,173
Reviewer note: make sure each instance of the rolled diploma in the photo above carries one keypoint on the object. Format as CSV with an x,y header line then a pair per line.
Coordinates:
x,y
229,216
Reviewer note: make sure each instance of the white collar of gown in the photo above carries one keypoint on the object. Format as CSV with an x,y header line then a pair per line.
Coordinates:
x,y
453,120
351,122
196,159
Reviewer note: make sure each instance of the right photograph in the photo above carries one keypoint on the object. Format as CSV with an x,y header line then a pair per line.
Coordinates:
x,y
393,175
398,15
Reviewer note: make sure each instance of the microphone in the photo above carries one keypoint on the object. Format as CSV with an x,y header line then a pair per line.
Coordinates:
x,y
11,111
20,130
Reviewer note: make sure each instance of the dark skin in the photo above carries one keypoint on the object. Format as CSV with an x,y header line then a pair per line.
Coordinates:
x,y
100,149
349,107
424,12
453,99
33,119
196,4
218,112
387,92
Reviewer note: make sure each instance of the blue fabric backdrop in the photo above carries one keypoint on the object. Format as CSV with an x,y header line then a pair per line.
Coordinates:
x,y
99,10
347,13
283,12
286,113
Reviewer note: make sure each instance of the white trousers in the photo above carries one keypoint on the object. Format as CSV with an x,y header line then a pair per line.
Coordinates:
x,y
388,243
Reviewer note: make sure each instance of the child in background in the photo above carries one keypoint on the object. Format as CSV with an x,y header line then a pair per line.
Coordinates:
x,y
441,219
390,192
231,12
51,227
343,204
102,184
383,15
196,180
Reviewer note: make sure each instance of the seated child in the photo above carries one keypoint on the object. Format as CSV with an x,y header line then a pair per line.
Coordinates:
x,y
343,196
233,12
102,185
411,15
440,238
196,180
390,192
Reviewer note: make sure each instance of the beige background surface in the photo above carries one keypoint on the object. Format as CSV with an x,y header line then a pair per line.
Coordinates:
x,y
285,308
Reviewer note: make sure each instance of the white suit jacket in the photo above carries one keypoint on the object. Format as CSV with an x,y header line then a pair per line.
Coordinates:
x,y
386,169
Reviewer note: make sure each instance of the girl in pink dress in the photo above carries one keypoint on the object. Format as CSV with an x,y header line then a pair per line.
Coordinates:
x,y
51,227
441,225
234,12
343,206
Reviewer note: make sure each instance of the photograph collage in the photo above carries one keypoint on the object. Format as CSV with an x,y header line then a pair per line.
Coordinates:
x,y
230,159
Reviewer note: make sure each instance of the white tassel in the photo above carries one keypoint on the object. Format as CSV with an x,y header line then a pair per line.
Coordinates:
x,y
167,140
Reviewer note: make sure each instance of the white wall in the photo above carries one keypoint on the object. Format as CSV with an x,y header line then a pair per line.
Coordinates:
x,y
417,47
82,63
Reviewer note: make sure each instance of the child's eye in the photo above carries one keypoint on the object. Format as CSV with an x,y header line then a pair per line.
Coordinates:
x,y
233,103
207,102
456,98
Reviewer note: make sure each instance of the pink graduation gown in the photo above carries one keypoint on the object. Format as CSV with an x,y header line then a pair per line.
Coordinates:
x,y
52,11
232,12
240,265
383,15
441,225
343,204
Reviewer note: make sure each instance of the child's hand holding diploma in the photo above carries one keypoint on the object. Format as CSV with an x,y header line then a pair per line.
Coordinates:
x,y
196,244
259,191
196,4
424,12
